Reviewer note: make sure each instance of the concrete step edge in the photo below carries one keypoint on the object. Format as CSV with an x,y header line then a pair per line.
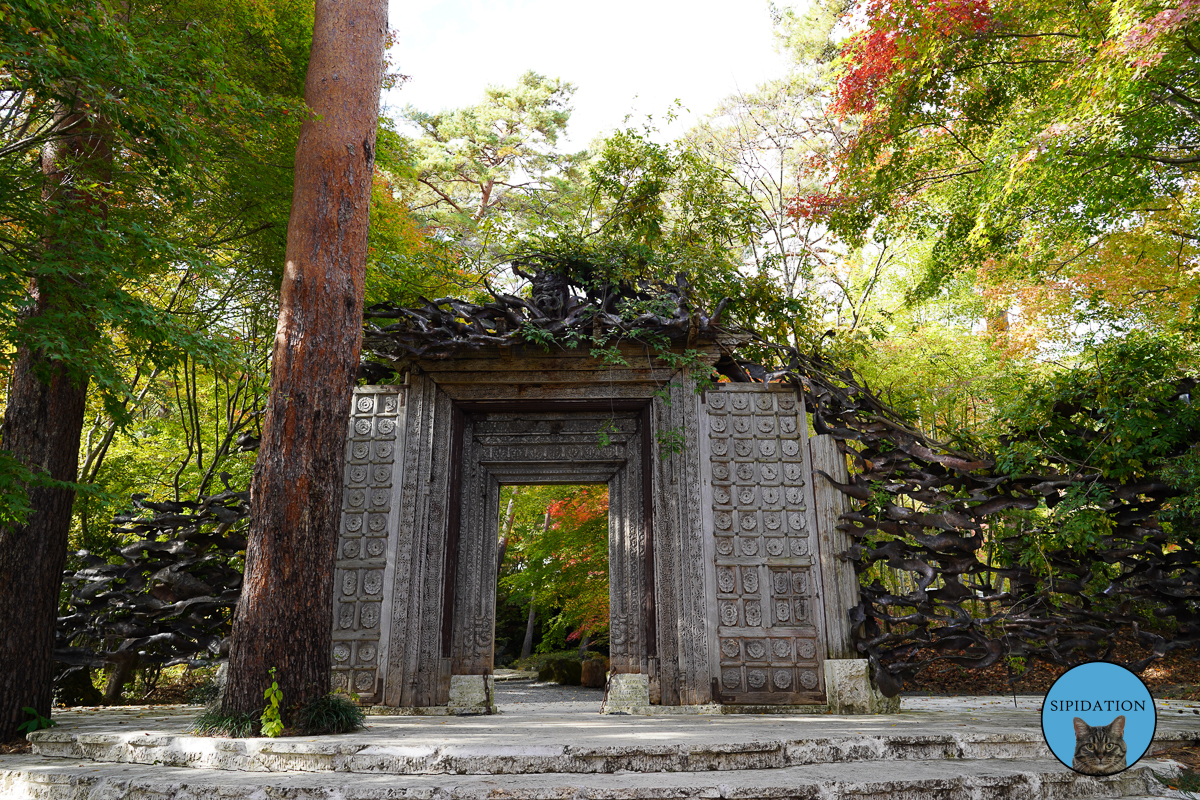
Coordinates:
x,y
34,778
346,754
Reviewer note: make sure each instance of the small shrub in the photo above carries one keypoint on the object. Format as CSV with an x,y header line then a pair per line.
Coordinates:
x,y
214,722
330,714
38,722
538,661
272,719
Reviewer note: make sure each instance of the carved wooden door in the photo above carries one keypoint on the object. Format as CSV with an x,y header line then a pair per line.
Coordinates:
x,y
763,547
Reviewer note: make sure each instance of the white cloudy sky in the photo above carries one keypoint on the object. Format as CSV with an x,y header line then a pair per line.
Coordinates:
x,y
625,56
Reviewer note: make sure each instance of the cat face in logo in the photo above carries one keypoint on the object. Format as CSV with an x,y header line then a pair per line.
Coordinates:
x,y
1099,749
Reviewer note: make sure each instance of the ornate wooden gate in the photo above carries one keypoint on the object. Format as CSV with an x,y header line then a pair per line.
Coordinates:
x,y
716,565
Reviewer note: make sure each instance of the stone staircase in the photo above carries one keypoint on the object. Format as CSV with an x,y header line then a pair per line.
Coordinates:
x,y
34,777
972,755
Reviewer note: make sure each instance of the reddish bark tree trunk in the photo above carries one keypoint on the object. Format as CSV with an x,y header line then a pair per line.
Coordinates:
x,y
42,425
285,614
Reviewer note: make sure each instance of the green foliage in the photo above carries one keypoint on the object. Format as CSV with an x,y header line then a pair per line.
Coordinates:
x,y
560,565
404,261
671,441
493,165
36,722
1046,149
537,335
604,435
1120,416
1118,413
179,278
644,211
15,481
330,714
271,719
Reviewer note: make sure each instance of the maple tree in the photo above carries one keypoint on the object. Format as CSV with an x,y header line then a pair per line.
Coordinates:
x,y
563,565
1049,149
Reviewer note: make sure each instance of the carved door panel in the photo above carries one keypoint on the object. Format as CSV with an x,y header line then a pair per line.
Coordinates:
x,y
363,574
763,547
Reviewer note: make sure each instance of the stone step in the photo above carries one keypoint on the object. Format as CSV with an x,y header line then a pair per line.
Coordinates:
x,y
490,756
33,777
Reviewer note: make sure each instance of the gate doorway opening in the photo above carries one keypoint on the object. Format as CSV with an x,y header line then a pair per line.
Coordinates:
x,y
552,594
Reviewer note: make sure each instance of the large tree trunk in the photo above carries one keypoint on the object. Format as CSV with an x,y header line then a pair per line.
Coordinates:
x,y
284,617
43,422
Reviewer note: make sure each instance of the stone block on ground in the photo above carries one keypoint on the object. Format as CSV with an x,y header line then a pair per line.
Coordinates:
x,y
850,690
627,694
594,673
472,694
36,778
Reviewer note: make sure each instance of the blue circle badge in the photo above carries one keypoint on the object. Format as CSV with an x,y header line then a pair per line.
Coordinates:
x,y
1098,718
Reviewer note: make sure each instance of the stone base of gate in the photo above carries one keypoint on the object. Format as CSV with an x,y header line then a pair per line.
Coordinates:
x,y
472,694
469,695
412,711
630,694
850,690
627,694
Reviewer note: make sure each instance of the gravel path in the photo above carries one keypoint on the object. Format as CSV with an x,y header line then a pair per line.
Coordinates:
x,y
526,695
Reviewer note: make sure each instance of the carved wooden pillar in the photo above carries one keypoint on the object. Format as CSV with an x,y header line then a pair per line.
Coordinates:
x,y
680,576
415,675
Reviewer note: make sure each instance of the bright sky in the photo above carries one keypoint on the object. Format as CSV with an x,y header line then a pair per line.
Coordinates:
x,y
624,56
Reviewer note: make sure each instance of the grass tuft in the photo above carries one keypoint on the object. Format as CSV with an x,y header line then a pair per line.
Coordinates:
x,y
214,722
330,714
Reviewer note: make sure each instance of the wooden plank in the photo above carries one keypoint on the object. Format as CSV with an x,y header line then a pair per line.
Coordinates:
x,y
591,377
838,578
453,528
516,392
